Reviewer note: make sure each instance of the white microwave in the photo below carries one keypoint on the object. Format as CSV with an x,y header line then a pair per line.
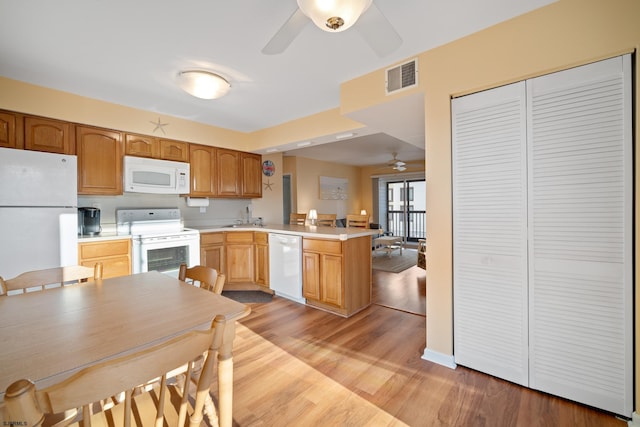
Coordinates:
x,y
143,175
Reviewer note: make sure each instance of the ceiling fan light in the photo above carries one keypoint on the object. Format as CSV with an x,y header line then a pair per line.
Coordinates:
x,y
203,84
334,15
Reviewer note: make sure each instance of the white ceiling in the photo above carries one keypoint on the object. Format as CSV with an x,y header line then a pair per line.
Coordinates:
x,y
129,53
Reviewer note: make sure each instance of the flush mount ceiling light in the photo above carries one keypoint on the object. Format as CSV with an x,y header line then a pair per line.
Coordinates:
x,y
334,15
203,84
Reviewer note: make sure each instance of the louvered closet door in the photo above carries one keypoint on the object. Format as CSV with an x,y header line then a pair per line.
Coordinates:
x,y
580,234
490,256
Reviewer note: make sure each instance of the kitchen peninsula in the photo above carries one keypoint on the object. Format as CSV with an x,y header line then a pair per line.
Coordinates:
x,y
336,262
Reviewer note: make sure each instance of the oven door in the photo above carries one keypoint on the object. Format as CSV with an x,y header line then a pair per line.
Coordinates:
x,y
165,253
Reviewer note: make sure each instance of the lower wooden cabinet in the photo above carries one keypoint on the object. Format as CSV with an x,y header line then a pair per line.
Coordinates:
x,y
262,259
243,256
336,275
239,256
212,251
115,256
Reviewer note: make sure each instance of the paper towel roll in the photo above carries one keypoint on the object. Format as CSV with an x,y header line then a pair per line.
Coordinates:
x,y
197,202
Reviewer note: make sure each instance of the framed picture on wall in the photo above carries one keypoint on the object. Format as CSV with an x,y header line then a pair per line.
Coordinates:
x,y
334,188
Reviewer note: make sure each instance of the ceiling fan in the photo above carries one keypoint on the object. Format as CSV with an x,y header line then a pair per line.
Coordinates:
x,y
336,16
397,164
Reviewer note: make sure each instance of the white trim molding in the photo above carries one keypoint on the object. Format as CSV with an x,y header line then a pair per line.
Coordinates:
x,y
439,358
635,420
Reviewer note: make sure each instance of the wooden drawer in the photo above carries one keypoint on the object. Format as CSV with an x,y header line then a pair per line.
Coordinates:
x,y
323,246
238,237
262,238
104,249
211,239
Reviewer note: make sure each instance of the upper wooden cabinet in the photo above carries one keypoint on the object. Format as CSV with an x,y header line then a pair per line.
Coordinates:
x,y
228,173
155,148
203,170
251,165
141,146
8,123
174,150
239,174
100,154
52,136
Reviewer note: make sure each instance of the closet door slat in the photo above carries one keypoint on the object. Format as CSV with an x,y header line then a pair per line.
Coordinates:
x,y
580,176
489,207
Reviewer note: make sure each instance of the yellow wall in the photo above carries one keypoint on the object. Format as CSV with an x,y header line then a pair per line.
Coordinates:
x,y
37,100
306,174
306,128
558,36
269,207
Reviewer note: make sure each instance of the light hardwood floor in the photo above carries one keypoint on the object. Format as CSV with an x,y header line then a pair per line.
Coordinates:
x,y
404,291
299,366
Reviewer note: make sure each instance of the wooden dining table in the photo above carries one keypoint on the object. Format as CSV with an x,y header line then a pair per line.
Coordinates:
x,y
48,335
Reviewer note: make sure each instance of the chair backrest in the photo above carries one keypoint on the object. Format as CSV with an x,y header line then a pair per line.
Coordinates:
x,y
49,278
24,402
205,277
327,219
297,218
360,221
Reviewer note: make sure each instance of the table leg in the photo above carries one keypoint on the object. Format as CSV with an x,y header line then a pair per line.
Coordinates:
x,y
225,376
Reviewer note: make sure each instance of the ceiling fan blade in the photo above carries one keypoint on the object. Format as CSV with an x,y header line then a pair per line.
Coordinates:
x,y
286,34
378,32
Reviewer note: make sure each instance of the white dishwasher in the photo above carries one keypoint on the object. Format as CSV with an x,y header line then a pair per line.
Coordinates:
x,y
285,266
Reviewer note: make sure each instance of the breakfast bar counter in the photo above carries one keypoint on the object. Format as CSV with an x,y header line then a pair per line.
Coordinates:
x,y
336,262
333,233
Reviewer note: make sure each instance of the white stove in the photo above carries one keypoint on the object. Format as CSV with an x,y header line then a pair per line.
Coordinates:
x,y
160,242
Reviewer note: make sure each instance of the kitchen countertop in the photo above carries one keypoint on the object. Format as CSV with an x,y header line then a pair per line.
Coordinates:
x,y
309,231
108,233
103,237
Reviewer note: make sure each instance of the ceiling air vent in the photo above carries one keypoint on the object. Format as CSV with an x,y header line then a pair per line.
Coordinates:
x,y
402,76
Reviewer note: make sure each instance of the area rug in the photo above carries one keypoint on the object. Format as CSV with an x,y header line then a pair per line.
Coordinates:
x,y
247,297
394,262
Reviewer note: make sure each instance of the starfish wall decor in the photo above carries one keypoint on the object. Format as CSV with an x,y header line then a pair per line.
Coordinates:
x,y
159,125
268,185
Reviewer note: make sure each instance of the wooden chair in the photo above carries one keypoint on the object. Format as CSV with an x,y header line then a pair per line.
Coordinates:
x,y
40,280
24,402
297,218
359,221
327,220
206,277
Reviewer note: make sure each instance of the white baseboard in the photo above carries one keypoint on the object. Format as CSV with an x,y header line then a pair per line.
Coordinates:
x,y
439,358
635,420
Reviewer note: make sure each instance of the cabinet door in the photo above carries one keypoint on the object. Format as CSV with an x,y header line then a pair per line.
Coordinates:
x,y
8,130
331,279
52,136
240,266
177,151
213,256
580,234
99,161
311,275
115,256
251,175
262,265
141,146
202,159
228,173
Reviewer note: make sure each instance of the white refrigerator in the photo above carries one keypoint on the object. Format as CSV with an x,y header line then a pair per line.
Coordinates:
x,y
38,211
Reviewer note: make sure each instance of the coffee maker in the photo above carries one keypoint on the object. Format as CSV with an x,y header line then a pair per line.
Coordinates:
x,y
88,221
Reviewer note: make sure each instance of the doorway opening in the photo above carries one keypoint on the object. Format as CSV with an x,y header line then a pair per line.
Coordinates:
x,y
287,198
